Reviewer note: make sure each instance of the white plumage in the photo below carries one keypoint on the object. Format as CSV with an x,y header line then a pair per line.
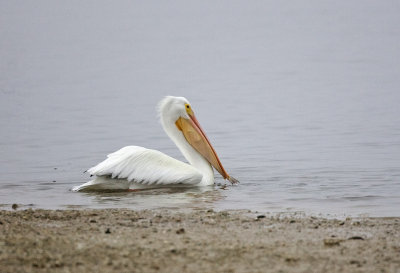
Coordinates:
x,y
134,167
146,166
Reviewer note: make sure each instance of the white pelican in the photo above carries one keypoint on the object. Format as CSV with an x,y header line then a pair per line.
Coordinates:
x,y
134,167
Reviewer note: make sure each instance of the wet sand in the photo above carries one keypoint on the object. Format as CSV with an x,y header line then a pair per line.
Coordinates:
x,y
117,240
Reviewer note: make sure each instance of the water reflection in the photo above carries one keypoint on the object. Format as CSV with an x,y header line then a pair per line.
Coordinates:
x,y
182,197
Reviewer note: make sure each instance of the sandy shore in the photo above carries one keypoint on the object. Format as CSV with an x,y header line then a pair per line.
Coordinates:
x,y
197,241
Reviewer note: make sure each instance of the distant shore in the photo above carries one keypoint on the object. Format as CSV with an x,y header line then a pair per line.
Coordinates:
x,y
119,240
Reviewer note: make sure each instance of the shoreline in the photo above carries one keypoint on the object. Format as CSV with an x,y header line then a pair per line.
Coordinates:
x,y
159,240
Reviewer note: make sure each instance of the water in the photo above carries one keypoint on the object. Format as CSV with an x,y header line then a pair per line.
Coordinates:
x,y
300,99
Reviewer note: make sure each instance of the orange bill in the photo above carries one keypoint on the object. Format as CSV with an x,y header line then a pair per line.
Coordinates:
x,y
196,137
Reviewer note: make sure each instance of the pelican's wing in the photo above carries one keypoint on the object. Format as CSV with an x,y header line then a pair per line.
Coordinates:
x,y
145,166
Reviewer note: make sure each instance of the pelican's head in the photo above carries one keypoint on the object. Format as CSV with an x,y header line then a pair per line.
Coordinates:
x,y
171,108
177,116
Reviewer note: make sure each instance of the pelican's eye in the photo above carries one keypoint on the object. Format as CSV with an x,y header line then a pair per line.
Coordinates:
x,y
188,109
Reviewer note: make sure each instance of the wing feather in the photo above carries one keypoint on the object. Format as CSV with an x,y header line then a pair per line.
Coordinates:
x,y
146,166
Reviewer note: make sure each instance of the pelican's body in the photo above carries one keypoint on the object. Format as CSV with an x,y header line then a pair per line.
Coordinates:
x,y
134,167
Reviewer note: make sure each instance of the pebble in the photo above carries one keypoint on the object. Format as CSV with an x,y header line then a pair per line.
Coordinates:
x,y
332,242
224,213
180,231
355,262
356,238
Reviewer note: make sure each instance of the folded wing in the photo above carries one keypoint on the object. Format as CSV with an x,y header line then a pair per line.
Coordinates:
x,y
147,167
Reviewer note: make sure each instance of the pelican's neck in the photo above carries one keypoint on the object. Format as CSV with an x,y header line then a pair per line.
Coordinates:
x,y
191,155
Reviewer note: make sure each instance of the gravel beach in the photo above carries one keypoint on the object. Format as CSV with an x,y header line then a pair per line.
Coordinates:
x,y
118,240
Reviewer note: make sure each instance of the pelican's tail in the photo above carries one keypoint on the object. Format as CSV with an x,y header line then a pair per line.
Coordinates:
x,y
102,183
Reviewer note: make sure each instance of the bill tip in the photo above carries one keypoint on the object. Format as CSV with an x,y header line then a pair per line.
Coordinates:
x,y
233,180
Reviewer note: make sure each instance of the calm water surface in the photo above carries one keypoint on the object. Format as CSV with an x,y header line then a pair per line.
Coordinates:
x,y
301,100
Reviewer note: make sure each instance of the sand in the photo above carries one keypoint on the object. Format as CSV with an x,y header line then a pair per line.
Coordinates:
x,y
118,240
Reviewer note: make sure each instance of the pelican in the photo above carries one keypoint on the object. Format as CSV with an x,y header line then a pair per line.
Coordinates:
x,y
135,168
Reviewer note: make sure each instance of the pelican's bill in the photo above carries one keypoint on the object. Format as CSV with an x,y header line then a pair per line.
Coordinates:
x,y
196,137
